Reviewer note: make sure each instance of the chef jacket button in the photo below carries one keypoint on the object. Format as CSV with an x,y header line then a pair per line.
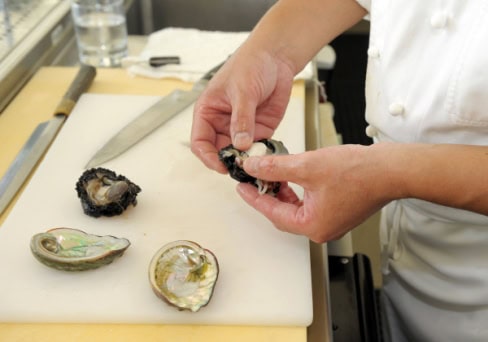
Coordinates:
x,y
396,109
439,20
371,131
397,252
373,52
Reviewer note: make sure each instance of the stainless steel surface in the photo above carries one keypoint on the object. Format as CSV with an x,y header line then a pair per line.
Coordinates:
x,y
43,35
33,34
219,15
19,18
321,328
147,13
151,119
41,139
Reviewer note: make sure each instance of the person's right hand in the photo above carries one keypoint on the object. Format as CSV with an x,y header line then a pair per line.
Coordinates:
x,y
244,102
343,185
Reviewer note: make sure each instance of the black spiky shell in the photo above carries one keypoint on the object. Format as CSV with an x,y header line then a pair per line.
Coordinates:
x,y
228,155
111,209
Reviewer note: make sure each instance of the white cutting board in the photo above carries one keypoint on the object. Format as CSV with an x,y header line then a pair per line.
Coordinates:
x,y
264,276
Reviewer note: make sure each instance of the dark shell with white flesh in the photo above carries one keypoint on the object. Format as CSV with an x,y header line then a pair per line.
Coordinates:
x,y
104,193
184,274
233,160
70,249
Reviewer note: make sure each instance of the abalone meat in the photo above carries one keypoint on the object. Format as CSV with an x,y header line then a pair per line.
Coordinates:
x,y
104,193
184,274
70,249
233,160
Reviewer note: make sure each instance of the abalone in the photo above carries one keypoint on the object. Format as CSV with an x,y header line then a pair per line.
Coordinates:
x,y
233,160
184,274
71,249
104,193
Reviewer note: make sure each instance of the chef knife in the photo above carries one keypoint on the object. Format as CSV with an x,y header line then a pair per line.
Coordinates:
x,y
149,120
41,138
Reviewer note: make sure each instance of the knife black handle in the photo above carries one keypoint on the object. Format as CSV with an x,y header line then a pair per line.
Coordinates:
x,y
163,60
209,74
82,81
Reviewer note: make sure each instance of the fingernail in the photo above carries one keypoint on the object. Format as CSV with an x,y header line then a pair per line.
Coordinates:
x,y
242,140
251,164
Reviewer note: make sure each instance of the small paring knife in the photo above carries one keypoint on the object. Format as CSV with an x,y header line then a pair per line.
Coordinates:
x,y
41,138
150,120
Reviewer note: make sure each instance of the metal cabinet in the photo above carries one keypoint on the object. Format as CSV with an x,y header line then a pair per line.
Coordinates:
x,y
221,15
35,33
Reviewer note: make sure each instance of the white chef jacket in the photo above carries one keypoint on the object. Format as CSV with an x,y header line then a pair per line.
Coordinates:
x,y
427,81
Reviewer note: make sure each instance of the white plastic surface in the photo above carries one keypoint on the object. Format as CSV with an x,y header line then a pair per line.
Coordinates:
x,y
264,273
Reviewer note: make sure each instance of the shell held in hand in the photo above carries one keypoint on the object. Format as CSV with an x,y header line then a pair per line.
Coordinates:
x,y
233,160
184,274
70,249
104,193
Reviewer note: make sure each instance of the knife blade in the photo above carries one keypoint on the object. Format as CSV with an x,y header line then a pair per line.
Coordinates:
x,y
150,120
41,138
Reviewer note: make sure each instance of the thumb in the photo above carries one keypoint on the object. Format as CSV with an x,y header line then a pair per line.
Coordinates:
x,y
242,122
280,168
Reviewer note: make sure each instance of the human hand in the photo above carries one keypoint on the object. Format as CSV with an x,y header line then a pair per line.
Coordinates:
x,y
244,102
341,189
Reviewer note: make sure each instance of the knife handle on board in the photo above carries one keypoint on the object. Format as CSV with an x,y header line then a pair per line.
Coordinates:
x,y
209,74
42,137
83,79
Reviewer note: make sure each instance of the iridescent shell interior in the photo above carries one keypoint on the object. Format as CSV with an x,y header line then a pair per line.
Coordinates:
x,y
184,275
74,250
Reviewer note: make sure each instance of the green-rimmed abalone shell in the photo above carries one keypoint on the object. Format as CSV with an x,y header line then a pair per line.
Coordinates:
x,y
70,249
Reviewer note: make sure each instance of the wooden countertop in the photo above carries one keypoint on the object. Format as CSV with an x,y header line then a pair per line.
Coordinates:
x,y
35,104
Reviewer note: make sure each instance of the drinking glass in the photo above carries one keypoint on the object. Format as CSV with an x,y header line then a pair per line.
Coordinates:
x,y
101,31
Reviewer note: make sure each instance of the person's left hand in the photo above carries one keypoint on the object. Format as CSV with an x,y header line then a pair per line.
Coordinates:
x,y
341,189
244,102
